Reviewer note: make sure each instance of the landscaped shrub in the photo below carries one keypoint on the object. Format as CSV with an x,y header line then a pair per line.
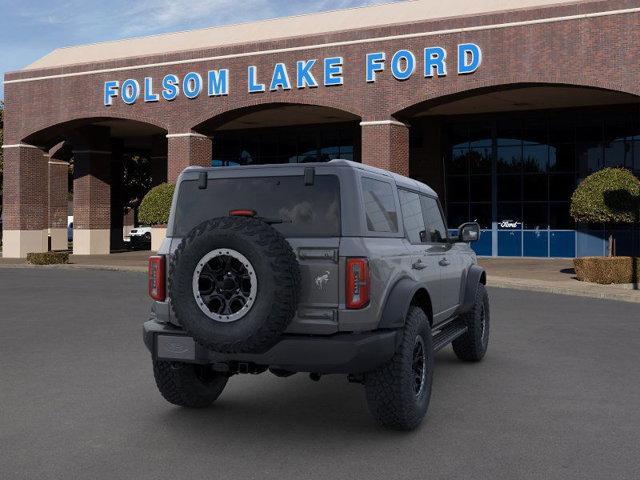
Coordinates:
x,y
607,270
609,196
48,258
156,204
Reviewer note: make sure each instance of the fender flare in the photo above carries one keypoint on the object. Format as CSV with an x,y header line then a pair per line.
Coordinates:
x,y
475,276
398,302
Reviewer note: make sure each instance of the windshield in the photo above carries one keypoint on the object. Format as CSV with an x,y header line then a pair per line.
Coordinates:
x,y
305,210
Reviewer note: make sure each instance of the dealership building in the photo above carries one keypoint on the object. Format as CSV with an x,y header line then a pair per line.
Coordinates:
x,y
501,106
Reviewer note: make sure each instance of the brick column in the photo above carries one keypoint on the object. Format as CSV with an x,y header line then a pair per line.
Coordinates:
x,y
25,211
158,160
187,149
91,202
385,144
58,191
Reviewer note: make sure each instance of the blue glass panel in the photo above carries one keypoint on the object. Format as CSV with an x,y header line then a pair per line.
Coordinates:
x,y
483,246
510,243
563,244
591,243
535,243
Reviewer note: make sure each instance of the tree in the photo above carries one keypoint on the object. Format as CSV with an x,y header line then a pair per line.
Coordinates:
x,y
611,195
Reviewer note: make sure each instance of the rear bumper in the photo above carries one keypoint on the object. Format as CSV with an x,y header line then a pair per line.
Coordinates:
x,y
339,353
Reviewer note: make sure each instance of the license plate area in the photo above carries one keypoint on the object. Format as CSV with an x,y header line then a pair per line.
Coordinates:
x,y
175,347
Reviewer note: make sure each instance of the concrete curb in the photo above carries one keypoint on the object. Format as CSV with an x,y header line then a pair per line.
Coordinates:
x,y
74,266
603,292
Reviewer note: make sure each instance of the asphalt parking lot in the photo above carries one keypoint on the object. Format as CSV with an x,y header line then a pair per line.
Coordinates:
x,y
558,396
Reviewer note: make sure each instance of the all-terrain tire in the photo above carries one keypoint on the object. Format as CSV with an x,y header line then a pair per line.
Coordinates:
x,y
188,385
390,389
278,284
472,346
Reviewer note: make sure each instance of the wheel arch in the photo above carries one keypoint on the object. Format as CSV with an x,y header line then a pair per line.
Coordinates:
x,y
404,294
475,275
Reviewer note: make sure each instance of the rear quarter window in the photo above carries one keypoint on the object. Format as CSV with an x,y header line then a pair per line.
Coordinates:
x,y
305,210
380,206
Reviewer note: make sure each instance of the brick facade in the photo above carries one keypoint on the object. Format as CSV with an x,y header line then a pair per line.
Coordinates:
x,y
187,149
58,188
386,145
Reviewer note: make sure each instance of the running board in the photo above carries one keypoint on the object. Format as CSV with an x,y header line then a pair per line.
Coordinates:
x,y
447,335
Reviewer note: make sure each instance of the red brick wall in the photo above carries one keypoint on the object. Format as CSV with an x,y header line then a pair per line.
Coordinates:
x,y
25,189
185,151
58,188
92,190
386,146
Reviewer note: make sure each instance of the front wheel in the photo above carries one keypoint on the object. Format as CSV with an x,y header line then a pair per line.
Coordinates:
x,y
398,392
472,346
188,385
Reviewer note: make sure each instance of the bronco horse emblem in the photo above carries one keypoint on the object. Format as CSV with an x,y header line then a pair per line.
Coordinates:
x,y
322,280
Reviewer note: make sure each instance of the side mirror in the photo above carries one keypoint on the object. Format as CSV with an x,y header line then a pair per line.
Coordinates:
x,y
469,232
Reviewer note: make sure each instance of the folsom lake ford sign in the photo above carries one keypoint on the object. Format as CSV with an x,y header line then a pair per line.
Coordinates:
x,y
309,73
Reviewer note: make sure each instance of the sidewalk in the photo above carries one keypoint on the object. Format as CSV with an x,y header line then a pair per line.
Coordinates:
x,y
538,275
551,276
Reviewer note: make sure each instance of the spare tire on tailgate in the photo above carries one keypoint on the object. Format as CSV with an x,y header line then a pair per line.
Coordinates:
x,y
234,284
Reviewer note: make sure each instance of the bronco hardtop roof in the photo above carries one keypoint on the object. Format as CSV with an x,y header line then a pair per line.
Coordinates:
x,y
245,170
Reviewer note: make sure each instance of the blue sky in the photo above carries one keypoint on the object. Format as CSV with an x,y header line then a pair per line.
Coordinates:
x,y
30,29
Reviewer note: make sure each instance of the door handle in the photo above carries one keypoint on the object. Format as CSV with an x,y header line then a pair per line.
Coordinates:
x,y
444,262
418,265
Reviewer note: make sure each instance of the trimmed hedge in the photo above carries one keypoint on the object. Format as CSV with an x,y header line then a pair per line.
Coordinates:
x,y
48,258
607,270
611,195
156,204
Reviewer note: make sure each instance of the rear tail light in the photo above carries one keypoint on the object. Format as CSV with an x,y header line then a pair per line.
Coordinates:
x,y
157,277
357,283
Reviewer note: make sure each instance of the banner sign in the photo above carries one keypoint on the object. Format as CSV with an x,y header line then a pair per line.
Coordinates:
x,y
309,73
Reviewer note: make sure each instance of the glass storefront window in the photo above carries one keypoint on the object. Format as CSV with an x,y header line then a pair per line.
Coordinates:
x,y
287,145
535,188
459,161
480,188
562,157
535,158
457,214
559,217
509,187
535,216
481,213
510,159
458,188
480,159
618,154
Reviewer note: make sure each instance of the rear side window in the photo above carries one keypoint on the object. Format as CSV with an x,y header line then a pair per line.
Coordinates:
x,y
412,216
434,223
305,210
380,206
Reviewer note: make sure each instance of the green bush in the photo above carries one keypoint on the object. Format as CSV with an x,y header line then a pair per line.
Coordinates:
x,y
156,204
48,258
611,195
607,270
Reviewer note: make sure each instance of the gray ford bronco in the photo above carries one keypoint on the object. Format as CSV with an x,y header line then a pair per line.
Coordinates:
x,y
322,268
